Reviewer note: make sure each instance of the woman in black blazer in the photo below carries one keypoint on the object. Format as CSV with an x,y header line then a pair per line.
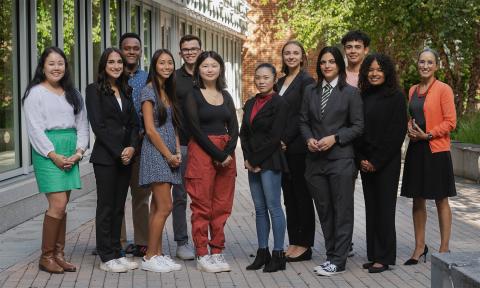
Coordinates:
x,y
114,122
378,154
263,123
298,201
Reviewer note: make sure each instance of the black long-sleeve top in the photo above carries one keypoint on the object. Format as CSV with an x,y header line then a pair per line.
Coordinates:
x,y
207,119
183,88
385,116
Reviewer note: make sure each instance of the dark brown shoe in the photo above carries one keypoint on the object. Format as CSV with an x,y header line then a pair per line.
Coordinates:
x,y
47,261
60,246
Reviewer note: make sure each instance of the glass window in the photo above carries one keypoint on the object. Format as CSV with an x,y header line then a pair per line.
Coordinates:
x,y
135,19
69,35
166,30
190,29
44,25
114,23
147,36
213,44
204,37
96,34
182,29
9,129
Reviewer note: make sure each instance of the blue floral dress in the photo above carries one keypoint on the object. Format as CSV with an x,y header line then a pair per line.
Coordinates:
x,y
153,166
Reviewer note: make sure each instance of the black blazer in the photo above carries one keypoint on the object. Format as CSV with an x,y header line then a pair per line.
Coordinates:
x,y
261,138
114,128
343,116
385,114
293,96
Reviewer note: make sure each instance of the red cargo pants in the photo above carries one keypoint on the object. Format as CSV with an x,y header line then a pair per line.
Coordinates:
x,y
211,188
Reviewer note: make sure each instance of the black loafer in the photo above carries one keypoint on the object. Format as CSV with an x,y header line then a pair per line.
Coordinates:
x,y
307,255
373,269
367,265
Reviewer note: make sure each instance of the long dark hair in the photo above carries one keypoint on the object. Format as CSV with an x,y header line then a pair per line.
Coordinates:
x,y
169,87
72,95
304,56
220,84
337,55
388,69
104,87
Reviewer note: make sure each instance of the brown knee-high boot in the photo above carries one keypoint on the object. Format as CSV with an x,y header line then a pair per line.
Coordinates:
x,y
47,262
60,246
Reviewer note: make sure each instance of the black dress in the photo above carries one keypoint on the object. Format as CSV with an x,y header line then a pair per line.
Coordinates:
x,y
426,175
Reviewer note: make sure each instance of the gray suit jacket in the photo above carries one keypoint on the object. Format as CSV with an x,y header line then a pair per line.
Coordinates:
x,y
343,116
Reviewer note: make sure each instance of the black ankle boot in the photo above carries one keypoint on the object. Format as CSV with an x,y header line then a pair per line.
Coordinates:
x,y
278,262
262,258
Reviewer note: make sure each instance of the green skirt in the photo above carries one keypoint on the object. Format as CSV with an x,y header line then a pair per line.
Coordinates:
x,y
49,177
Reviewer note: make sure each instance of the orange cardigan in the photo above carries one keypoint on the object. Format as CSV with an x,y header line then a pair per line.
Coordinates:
x,y
440,115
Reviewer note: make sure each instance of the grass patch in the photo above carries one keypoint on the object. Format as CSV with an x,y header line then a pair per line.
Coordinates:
x,y
468,129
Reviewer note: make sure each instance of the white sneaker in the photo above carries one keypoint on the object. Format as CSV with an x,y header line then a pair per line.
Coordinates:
x,y
156,264
131,265
185,252
221,262
207,264
329,270
113,266
172,263
321,266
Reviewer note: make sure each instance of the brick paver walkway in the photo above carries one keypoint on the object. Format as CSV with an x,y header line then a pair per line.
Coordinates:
x,y
241,244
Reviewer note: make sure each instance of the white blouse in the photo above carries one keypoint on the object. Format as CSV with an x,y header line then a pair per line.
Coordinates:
x,y
284,88
45,110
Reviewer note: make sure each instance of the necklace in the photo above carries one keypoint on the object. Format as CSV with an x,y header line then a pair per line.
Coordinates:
x,y
426,92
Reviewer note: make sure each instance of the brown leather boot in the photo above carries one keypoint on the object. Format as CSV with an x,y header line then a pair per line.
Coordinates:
x,y
60,245
47,262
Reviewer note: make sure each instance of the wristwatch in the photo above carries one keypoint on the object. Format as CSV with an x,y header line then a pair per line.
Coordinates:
x,y
429,136
337,139
79,155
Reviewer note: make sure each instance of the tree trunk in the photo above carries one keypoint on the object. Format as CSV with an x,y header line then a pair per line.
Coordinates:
x,y
451,79
473,93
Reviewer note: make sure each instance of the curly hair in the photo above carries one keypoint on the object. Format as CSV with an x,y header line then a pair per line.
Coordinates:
x,y
356,35
104,86
388,69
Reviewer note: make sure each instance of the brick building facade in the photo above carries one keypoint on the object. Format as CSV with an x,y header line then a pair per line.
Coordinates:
x,y
261,45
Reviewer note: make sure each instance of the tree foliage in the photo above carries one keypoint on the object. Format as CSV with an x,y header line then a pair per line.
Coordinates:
x,y
400,28
6,63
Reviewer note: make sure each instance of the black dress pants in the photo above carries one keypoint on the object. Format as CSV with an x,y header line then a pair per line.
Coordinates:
x,y
380,192
112,187
298,203
331,183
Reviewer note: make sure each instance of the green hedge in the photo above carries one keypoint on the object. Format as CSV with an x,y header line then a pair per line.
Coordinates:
x,y
468,129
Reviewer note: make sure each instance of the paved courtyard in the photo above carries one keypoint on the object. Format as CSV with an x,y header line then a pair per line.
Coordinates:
x,y
19,249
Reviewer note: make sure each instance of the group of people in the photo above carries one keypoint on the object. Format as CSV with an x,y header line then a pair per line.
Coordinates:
x,y
168,133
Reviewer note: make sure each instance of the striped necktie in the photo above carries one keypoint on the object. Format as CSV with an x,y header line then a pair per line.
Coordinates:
x,y
327,90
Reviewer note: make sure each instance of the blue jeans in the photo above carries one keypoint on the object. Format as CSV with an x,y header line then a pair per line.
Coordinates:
x,y
265,188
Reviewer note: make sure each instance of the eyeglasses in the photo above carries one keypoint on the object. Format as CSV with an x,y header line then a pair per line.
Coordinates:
x,y
190,50
426,63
